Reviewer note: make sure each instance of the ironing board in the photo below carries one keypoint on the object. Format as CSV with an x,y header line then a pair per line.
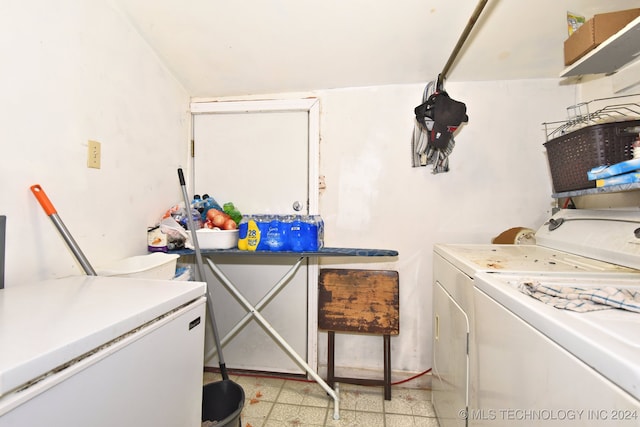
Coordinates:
x,y
254,311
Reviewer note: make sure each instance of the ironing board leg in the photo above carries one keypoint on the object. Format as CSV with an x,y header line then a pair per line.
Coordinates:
x,y
259,306
274,334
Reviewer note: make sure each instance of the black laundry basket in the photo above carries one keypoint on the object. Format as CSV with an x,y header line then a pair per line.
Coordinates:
x,y
222,403
573,154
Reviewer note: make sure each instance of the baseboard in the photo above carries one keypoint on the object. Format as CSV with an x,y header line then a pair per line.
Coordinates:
x,y
421,381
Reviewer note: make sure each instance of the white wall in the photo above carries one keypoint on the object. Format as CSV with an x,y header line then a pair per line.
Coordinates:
x,y
72,71
498,179
75,70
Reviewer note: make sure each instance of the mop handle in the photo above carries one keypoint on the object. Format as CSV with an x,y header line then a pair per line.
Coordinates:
x,y
43,199
190,223
51,212
200,265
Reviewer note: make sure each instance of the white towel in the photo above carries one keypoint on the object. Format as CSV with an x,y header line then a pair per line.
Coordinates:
x,y
422,152
583,299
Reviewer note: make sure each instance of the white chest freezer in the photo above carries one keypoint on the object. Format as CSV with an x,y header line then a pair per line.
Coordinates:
x,y
101,351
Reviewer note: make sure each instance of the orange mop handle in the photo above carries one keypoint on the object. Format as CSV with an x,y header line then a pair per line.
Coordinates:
x,y
66,235
43,199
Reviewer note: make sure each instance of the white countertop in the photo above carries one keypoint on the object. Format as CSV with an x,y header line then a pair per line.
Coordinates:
x,y
46,324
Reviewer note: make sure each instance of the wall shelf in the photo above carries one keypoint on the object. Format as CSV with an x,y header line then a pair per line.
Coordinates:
x,y
615,52
598,190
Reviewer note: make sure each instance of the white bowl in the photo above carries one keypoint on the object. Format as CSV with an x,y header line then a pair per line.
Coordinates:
x,y
216,239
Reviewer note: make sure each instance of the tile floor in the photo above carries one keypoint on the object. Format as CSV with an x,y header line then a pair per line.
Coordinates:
x,y
277,402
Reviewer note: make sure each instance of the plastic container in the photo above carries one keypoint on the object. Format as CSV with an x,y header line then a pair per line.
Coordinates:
x,y
250,233
309,233
197,203
572,155
260,242
320,223
243,233
157,265
295,234
209,202
279,233
216,239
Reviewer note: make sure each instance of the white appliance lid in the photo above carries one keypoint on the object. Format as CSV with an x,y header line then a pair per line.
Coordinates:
x,y
606,340
46,324
608,235
473,258
572,241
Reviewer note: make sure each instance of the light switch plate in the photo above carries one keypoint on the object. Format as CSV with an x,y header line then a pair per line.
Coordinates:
x,y
93,155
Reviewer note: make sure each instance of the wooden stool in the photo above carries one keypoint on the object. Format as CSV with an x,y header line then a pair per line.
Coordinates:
x,y
360,301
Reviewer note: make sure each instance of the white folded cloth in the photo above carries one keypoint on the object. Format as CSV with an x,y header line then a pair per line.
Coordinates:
x,y
583,299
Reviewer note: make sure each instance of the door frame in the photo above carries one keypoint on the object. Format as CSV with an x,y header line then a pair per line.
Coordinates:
x,y
312,107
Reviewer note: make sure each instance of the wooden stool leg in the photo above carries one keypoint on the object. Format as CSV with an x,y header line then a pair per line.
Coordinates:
x,y
330,358
387,367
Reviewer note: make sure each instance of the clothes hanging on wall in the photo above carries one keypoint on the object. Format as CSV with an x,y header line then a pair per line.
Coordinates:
x,y
437,118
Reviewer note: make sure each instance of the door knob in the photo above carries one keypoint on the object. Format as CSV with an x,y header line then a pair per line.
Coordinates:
x,y
297,206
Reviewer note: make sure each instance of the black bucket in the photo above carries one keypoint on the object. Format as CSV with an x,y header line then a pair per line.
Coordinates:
x,y
222,403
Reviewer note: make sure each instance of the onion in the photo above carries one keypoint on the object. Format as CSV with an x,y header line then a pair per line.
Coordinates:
x,y
219,220
211,213
229,225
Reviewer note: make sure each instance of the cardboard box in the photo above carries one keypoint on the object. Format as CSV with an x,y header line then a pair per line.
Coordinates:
x,y
595,31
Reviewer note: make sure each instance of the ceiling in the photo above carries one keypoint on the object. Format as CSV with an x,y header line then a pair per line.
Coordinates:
x,y
219,48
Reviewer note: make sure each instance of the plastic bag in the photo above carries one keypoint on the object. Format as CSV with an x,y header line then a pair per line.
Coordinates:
x,y
177,236
179,213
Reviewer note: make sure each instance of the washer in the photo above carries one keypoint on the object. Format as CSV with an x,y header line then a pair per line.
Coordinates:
x,y
573,243
562,367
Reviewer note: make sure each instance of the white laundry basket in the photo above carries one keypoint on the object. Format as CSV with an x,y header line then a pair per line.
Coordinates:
x,y
157,265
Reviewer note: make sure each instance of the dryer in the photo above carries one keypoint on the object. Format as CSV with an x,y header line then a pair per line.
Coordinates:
x,y
573,243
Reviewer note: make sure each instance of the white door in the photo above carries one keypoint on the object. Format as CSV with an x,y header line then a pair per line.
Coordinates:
x,y
261,156
450,358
